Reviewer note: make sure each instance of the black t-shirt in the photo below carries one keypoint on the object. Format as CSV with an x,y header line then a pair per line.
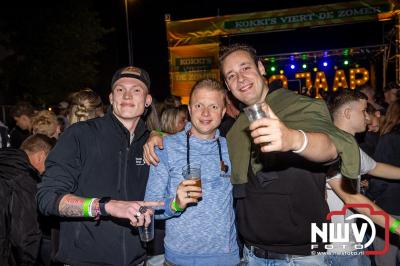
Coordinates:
x,y
281,202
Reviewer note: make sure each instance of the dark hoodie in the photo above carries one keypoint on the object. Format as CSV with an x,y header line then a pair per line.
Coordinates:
x,y
19,229
95,159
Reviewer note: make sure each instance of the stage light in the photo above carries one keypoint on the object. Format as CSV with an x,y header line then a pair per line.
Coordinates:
x,y
279,77
273,68
358,76
304,66
325,64
315,69
346,62
304,56
292,66
281,71
305,75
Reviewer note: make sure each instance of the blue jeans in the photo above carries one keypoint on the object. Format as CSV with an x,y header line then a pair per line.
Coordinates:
x,y
251,260
348,260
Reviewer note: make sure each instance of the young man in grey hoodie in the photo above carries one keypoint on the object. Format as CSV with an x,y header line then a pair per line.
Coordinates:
x,y
200,226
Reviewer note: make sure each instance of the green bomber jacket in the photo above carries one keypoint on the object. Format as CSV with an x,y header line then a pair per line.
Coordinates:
x,y
296,112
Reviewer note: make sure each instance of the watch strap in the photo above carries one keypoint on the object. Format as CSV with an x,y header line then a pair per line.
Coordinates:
x,y
102,206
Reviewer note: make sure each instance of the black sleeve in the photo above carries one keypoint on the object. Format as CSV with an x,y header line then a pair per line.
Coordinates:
x,y
63,167
387,151
3,137
25,234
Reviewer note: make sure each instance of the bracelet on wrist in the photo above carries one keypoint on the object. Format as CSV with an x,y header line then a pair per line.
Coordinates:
x,y
85,207
160,132
394,226
102,206
90,207
175,206
305,142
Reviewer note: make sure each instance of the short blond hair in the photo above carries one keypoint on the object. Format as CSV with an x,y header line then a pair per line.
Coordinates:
x,y
210,84
36,143
44,122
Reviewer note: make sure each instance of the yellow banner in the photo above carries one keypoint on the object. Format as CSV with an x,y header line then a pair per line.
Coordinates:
x,y
191,63
201,30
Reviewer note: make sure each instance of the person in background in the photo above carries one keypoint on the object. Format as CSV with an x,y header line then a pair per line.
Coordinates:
x,y
173,120
391,93
172,101
348,109
385,193
370,92
22,113
368,140
84,104
232,112
45,122
20,172
371,136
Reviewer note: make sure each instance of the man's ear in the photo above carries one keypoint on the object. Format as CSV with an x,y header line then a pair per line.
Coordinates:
x,y
190,110
261,67
347,113
41,156
223,112
148,101
110,97
226,83
378,113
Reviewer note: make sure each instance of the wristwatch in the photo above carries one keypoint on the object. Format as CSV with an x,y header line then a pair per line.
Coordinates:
x,y
102,206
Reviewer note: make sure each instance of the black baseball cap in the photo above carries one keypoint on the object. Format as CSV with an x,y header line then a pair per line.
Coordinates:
x,y
132,72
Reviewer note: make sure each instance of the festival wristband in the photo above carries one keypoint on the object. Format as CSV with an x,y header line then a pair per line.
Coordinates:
x,y
90,207
175,206
160,132
85,207
394,225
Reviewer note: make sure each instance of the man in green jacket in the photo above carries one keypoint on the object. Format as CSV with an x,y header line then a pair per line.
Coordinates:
x,y
280,184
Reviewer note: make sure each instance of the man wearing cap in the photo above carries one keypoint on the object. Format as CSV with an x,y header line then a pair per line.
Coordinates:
x,y
96,178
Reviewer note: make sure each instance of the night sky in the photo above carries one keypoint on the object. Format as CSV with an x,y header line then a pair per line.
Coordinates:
x,y
150,50
149,37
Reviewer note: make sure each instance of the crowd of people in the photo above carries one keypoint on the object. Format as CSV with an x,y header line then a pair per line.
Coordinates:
x,y
77,184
